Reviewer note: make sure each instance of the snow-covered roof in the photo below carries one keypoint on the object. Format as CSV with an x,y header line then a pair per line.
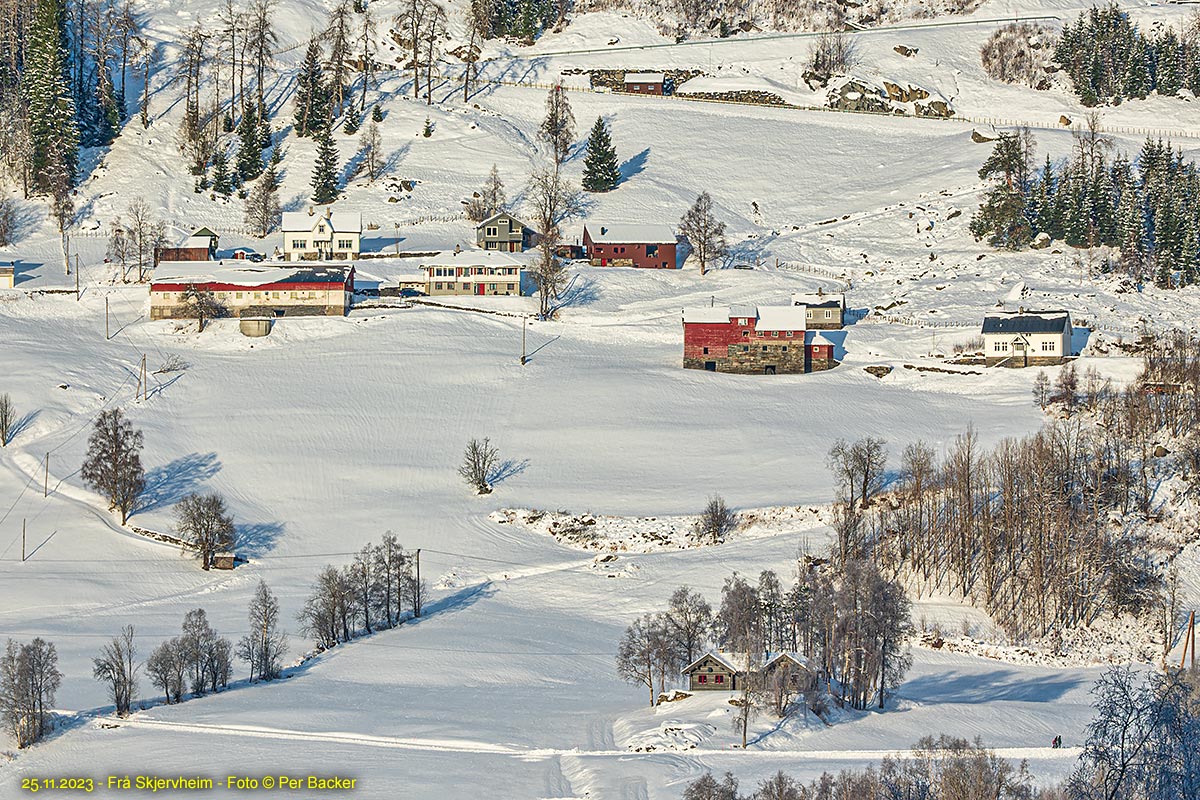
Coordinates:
x,y
631,233
780,318
816,337
798,659
819,299
734,662
339,221
468,257
238,272
497,216
1027,322
644,77
707,314
196,242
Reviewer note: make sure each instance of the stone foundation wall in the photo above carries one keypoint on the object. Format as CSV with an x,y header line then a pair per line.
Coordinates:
x,y
1017,362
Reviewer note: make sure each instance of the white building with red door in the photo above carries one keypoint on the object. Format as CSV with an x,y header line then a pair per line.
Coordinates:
x,y
469,271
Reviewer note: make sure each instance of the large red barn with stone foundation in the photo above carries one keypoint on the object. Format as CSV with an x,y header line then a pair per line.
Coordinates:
x,y
764,340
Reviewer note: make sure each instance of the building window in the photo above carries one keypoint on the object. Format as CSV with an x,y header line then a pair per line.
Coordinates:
x,y
764,348
775,334
1048,347
239,295
512,287
652,250
745,348
745,334
491,230
702,679
789,333
299,244
785,348
741,322
706,351
759,334
828,314
345,244
720,679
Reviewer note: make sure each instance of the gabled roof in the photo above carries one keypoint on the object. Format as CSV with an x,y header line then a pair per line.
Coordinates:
x,y
819,299
468,257
195,242
707,314
498,215
799,660
734,662
204,230
780,318
339,221
1028,322
237,272
816,337
631,233
644,77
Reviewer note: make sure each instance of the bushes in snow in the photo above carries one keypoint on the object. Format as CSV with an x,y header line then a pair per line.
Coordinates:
x,y
1015,54
29,677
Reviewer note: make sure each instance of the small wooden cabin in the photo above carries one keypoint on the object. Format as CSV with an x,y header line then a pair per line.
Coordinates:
x,y
713,672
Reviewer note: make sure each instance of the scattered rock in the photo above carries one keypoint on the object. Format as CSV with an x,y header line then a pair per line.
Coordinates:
x,y
879,370
1065,121
750,96
955,213
1041,241
1161,451
906,51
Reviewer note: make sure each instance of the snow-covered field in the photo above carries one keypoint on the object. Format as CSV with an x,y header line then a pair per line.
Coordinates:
x,y
330,432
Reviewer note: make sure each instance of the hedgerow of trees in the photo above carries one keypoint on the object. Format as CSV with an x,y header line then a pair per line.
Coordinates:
x,y
1017,52
380,589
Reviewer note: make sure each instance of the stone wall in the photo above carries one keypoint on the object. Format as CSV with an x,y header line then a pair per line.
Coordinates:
x,y
1016,362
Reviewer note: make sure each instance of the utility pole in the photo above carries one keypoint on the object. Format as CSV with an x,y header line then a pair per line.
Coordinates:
x,y
106,336
77,278
22,540
417,593
524,322
1189,639
145,380
396,238
46,487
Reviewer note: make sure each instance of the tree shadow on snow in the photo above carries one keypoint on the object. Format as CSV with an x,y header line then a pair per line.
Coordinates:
x,y
635,165
580,291
22,425
170,483
257,538
1001,684
508,468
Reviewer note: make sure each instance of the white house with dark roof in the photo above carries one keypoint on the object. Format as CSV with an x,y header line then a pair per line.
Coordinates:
x,y
1026,338
321,234
825,310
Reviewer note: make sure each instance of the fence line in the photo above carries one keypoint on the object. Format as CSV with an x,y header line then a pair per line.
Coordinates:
x,y
995,122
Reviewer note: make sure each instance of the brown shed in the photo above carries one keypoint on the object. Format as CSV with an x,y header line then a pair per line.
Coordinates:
x,y
714,672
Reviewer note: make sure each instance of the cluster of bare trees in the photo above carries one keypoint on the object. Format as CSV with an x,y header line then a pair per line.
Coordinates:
x,y
704,232
117,668
489,200
1017,52
198,657
243,45
850,623
716,522
134,244
380,589
945,768
29,677
421,27
1026,528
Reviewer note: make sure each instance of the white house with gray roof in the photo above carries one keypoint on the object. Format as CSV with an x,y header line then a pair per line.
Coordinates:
x,y
1026,338
321,234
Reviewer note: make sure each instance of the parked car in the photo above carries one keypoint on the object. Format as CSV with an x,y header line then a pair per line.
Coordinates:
x,y
411,293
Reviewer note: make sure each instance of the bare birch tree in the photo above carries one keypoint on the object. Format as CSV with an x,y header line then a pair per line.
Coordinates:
x,y
117,668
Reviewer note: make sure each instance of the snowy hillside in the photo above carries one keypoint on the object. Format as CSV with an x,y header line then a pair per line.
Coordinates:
x,y
330,432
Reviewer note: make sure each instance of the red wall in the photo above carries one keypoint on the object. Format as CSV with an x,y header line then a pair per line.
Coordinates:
x,y
644,88
664,258
716,336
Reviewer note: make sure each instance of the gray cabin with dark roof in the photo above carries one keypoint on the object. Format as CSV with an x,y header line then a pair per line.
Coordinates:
x,y
1027,338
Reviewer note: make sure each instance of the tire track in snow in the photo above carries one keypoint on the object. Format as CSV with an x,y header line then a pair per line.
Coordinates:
x,y
488,748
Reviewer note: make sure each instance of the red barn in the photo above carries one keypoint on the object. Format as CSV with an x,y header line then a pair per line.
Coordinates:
x,y
644,82
764,340
629,244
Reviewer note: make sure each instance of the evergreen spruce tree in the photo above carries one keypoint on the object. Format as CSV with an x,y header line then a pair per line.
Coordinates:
x,y
601,172
427,131
312,97
325,171
51,110
1168,58
377,114
222,182
249,157
353,120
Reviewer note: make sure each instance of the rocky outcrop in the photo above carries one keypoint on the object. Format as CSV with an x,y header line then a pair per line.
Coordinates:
x,y
906,51
886,97
752,96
